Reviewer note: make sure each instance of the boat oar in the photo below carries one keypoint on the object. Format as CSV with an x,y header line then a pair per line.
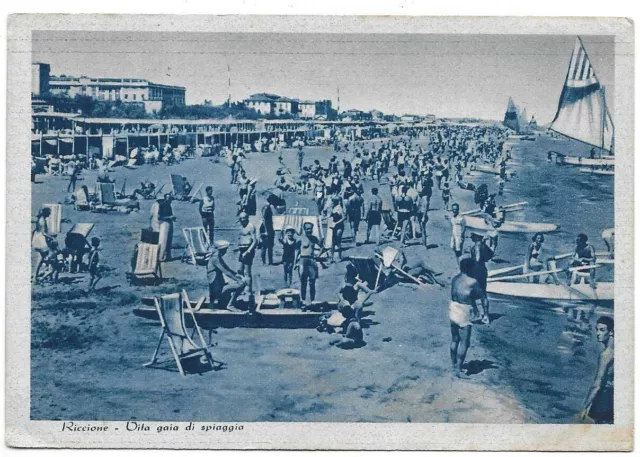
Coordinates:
x,y
502,271
538,273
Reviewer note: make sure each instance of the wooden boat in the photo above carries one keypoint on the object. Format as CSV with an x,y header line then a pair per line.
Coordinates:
x,y
506,208
597,172
562,292
269,313
478,223
582,161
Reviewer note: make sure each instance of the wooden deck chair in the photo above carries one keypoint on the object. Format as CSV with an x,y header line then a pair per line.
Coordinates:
x,y
147,262
369,271
81,202
177,185
106,194
197,249
54,221
171,311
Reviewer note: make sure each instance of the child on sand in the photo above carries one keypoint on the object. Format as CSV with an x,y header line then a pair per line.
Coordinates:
x,y
290,250
94,263
446,195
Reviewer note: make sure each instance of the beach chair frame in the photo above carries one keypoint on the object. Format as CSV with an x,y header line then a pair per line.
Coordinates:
x,y
180,333
54,221
142,269
189,254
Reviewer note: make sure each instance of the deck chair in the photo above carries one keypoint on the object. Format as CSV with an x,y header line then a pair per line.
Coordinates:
x,y
105,192
298,211
81,202
147,263
178,189
171,310
369,271
54,221
197,249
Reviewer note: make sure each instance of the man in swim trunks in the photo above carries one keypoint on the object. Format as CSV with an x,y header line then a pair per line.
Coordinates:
x,y
308,267
247,242
462,310
458,227
599,403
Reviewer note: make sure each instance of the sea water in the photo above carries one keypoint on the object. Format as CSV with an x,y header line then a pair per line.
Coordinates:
x,y
547,351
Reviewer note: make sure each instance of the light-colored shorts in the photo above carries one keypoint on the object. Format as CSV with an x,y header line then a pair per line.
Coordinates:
x,y
457,243
460,314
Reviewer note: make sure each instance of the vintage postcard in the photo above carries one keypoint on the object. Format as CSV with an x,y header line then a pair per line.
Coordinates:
x,y
255,232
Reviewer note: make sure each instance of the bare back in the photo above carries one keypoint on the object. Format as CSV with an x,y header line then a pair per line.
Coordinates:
x,y
465,289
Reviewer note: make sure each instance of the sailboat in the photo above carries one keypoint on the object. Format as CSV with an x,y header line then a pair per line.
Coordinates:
x,y
582,113
511,116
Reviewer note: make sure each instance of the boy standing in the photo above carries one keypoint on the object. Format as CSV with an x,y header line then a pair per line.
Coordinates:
x,y
94,263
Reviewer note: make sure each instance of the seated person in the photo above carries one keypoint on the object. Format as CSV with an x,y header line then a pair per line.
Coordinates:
x,y
351,336
224,284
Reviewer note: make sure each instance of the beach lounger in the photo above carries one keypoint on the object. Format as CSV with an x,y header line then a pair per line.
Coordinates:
x,y
197,249
105,193
77,243
171,310
147,263
54,221
370,270
81,202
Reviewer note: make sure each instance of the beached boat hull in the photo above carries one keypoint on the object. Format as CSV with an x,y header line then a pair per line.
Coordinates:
x,y
597,172
478,223
577,292
261,318
571,160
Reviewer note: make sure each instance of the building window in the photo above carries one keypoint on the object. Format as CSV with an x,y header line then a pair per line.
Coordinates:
x,y
134,97
126,96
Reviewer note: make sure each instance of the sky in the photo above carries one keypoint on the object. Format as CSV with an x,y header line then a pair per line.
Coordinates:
x,y
445,75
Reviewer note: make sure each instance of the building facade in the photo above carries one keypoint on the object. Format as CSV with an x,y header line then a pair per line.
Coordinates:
x,y
40,78
307,109
128,90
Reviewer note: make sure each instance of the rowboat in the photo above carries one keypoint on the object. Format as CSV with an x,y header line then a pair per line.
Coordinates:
x,y
597,172
573,160
269,313
478,223
506,208
562,292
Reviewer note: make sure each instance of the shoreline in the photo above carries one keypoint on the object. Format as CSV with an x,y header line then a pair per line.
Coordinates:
x,y
270,375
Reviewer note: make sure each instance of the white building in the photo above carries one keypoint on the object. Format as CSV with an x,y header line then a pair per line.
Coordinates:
x,y
128,90
307,109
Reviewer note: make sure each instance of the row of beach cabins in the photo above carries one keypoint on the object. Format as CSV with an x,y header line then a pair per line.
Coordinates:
x,y
65,134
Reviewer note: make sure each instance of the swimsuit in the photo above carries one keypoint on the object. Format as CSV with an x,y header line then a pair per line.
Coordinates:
x,y
460,314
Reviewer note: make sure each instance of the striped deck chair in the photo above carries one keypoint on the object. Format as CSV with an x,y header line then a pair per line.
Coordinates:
x,y
197,249
296,221
369,270
298,211
171,310
54,221
106,193
178,189
147,263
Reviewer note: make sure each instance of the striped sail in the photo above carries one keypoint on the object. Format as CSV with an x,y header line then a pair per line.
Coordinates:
x,y
582,110
511,116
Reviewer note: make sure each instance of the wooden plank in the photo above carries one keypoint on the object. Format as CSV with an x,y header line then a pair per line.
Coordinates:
x,y
538,273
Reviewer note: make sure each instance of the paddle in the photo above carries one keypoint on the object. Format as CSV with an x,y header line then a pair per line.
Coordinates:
x,y
538,273
504,270
505,207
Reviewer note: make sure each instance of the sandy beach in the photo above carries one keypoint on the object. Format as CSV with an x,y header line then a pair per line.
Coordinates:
x,y
87,351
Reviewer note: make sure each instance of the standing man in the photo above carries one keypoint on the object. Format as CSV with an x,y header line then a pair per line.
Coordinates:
x,y
247,243
355,213
458,227
269,232
599,403
462,310
162,222
300,155
480,254
73,177
374,214
584,255
308,268
207,212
